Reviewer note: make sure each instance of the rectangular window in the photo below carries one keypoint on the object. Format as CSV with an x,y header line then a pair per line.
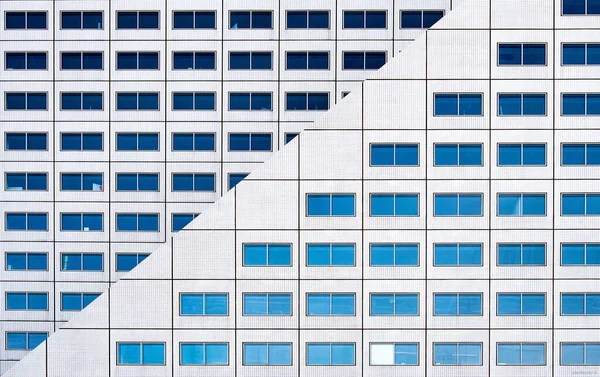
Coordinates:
x,y
81,182
26,181
127,262
137,20
81,20
461,104
457,304
521,54
398,205
254,60
267,353
394,304
24,341
193,182
580,304
307,101
81,101
21,141
394,354
581,53
254,142
516,104
580,7
26,261
401,254
25,20
330,254
521,204
458,204
81,261
267,304
580,204
580,354
521,154
181,220
80,141
195,20
580,104
26,221
329,304
521,254
204,353
137,182
579,254
26,101
204,304
193,142
394,154
76,301
26,300
81,61
235,178
521,354
140,354
330,205
146,60
312,19
137,222
194,60
199,101
25,61
462,254
267,255
457,354
330,354
81,222
137,101
251,20
360,60
517,304
365,19
457,154
137,141
302,60
251,101
580,154
419,19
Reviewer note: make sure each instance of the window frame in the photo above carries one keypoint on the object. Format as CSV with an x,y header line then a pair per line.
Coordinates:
x,y
81,57
116,95
81,18
364,59
249,141
577,14
307,53
521,295
331,195
457,364
522,196
585,251
82,269
251,68
459,145
394,196
141,355
26,54
82,299
308,19
81,215
26,101
137,174
331,297
194,94
137,257
394,315
193,134
422,11
26,173
331,245
522,105
82,135
204,314
585,104
458,194
458,247
194,11
25,13
307,94
331,364
457,295
585,48
364,11
584,314
82,96
585,199
395,146
26,141
395,245
521,353
27,339
458,114
266,344
137,12
418,344
521,244
26,253
194,174
250,12
137,141
267,245
522,148
205,364
138,222
584,344
250,94
26,221
27,293
267,294
137,53
522,44
194,52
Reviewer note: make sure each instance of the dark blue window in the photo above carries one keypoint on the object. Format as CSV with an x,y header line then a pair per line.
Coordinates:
x,y
26,181
521,204
250,142
193,101
137,182
329,304
330,354
580,154
457,304
458,204
419,19
250,60
81,222
193,182
26,101
521,154
402,254
26,301
137,141
251,20
462,254
193,142
235,178
581,7
363,60
394,205
457,354
203,304
521,104
307,60
137,20
580,354
312,19
137,101
580,304
521,354
81,262
25,60
30,221
370,19
24,341
16,141
81,60
81,101
137,222
521,254
195,20
81,182
307,101
395,154
127,262
581,254
25,20
394,304
336,254
458,155
204,353
180,220
581,104
463,104
140,353
267,254
81,141
580,204
81,20
521,54
76,301
581,53
137,60
194,60
267,354
267,304
330,205
290,136
21,261
250,101
521,304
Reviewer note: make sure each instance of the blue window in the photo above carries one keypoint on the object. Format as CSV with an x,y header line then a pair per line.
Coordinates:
x,y
580,204
194,101
307,101
521,204
146,60
81,182
193,182
76,301
462,254
521,254
193,141
580,104
81,262
419,19
521,304
457,304
30,221
81,20
573,254
81,222
271,304
329,304
257,142
140,353
250,60
330,254
204,304
81,101
580,303
194,60
330,205
395,154
137,141
312,19
137,181
267,353
26,101
235,178
580,7
394,205
180,220
458,155
25,60
301,60
401,254
26,181
127,262
81,60
251,101
365,19
137,20
25,20
580,154
80,141
32,141
461,104
581,53
26,300
290,136
251,20
267,254
137,222
330,354
521,54
521,104
195,20
457,354
521,354
394,304
363,60
394,354
137,101
26,261
580,354
204,353
24,341
458,204
521,154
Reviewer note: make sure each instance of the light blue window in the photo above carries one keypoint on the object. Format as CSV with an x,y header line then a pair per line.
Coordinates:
x,y
307,101
85,141
194,101
81,20
251,60
394,154
394,205
307,60
516,104
333,254
330,354
457,354
458,204
521,254
76,301
330,304
521,354
517,304
267,353
26,101
580,104
580,204
25,61
580,154
26,300
361,60
580,7
364,19
394,304
462,254
457,304
32,141
267,255
235,178
581,53
194,60
194,142
461,104
81,222
330,205
251,20
81,182
419,19
81,262
181,220
27,221
137,222
137,101
580,303
521,154
25,20
26,261
81,60
255,142
573,254
521,54
127,262
24,341
312,19
193,182
195,20
140,353
580,354
458,155
401,254
137,182
521,204
137,20
203,304
81,101
394,354
204,353
251,101
26,182
271,304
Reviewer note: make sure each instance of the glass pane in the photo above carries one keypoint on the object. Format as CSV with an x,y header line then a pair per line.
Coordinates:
x,y
192,354
406,304
573,304
318,354
318,19
318,304
255,255
509,54
279,304
573,204
255,354
382,255
445,255
445,304
446,104
534,104
470,104
342,354
342,304
153,354
534,154
382,304
342,205
469,205
509,104
129,354
573,104
446,154
572,354
279,255
534,54
342,255
469,354
534,254
446,205
445,354
573,154
411,19
217,354
382,205
469,255
534,205
216,304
